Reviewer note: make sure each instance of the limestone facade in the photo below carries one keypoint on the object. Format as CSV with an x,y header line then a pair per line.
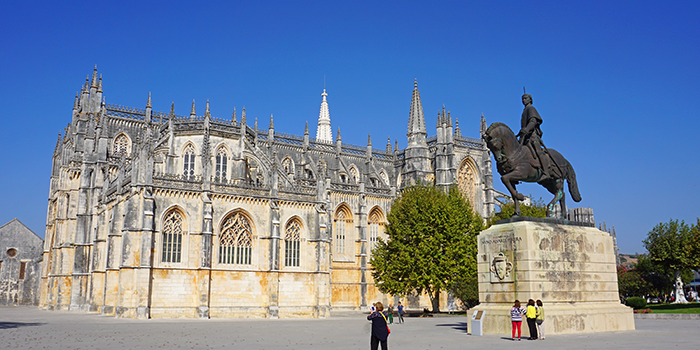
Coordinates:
x,y
570,267
153,214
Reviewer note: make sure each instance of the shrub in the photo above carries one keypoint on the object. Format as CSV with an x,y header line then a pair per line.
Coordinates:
x,y
636,302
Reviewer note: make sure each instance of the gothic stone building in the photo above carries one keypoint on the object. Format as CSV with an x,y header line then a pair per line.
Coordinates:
x,y
154,214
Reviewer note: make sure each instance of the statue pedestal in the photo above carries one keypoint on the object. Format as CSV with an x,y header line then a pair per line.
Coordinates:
x,y
571,268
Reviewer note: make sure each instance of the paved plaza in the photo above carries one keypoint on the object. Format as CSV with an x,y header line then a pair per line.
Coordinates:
x,y
31,328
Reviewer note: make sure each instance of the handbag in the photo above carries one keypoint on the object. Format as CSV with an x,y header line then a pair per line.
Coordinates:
x,y
388,331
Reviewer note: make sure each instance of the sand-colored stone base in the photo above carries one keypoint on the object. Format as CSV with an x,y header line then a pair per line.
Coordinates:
x,y
570,268
561,318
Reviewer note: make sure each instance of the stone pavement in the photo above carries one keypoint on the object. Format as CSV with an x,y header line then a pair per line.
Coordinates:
x,y
31,328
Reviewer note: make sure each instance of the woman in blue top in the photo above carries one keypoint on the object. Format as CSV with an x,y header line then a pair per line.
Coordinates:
x,y
380,331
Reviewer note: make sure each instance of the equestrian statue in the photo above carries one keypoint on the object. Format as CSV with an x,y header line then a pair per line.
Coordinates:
x,y
524,158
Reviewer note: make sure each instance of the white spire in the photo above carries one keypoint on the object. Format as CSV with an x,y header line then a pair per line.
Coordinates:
x,y
323,132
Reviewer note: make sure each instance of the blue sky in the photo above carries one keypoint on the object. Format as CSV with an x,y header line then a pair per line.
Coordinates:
x,y
616,82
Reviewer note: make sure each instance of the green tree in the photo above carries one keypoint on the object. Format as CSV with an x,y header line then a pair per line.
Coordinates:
x,y
674,247
660,281
538,209
631,283
431,243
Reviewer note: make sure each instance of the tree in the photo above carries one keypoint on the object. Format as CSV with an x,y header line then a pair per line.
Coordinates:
x,y
674,247
538,209
631,283
431,243
660,281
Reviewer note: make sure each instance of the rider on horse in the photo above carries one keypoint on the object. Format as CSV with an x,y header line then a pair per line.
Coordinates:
x,y
530,136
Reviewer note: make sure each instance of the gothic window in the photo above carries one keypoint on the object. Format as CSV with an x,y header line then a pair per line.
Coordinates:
x,y
376,227
188,157
354,175
288,165
384,178
343,178
236,242
172,237
343,220
467,180
292,243
221,161
121,145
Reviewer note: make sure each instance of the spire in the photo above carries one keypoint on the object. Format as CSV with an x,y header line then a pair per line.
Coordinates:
x,y
388,145
256,124
172,108
272,124
306,128
396,145
323,131
94,78
58,143
416,122
148,104
449,119
207,114
243,119
337,137
233,117
369,140
86,87
457,131
483,124
99,84
75,103
192,112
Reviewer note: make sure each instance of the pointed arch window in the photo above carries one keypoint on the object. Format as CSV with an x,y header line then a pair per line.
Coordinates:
x,y
343,219
376,227
121,145
236,243
221,162
292,243
188,157
172,237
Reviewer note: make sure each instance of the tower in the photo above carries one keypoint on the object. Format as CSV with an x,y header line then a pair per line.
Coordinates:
x,y
323,131
417,156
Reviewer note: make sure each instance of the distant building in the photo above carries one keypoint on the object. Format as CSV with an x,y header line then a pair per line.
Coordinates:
x,y
153,214
21,252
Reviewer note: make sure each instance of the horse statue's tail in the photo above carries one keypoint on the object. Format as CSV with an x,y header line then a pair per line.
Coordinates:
x,y
573,185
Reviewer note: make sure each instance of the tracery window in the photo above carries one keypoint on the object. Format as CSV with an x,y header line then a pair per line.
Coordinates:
x,y
467,180
121,145
236,242
376,227
221,162
292,243
354,176
288,165
188,157
342,219
172,237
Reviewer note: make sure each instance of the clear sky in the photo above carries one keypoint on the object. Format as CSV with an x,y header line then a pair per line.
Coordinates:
x,y
614,81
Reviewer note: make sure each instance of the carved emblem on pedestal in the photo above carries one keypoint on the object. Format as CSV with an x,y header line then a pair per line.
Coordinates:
x,y
501,268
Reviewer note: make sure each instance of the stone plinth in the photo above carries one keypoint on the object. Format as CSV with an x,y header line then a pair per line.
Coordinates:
x,y
571,268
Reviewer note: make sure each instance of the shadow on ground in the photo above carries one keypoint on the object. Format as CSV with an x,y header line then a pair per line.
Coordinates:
x,y
8,325
462,326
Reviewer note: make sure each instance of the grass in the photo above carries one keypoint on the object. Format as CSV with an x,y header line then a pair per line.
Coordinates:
x,y
690,308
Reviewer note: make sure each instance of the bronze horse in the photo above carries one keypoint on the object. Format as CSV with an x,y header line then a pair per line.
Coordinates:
x,y
516,163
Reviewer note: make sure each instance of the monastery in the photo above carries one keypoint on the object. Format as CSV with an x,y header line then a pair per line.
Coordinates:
x,y
152,214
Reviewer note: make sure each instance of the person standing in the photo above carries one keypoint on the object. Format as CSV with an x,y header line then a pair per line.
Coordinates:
x,y
399,308
531,315
516,317
540,319
380,331
390,313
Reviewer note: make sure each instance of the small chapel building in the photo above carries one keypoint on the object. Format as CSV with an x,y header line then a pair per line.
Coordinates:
x,y
153,214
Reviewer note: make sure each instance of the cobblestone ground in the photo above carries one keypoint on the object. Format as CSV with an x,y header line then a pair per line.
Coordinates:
x,y
31,328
